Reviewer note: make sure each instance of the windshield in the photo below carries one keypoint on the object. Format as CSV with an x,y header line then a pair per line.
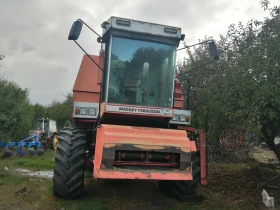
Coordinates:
x,y
39,125
141,73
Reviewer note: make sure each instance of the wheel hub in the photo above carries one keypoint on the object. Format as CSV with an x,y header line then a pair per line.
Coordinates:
x,y
55,142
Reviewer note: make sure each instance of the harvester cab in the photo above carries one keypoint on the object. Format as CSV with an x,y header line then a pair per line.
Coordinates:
x,y
128,111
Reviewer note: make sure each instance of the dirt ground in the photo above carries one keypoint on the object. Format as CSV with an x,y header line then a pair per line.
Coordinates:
x,y
263,155
230,186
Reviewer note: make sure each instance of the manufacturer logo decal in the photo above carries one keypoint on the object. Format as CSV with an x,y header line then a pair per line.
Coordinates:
x,y
139,110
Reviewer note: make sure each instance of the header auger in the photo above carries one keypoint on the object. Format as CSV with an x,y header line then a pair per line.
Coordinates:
x,y
128,111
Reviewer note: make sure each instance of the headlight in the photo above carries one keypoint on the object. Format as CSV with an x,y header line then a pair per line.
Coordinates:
x,y
182,118
92,111
83,111
175,118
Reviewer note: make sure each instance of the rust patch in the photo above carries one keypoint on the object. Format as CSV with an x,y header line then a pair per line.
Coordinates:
x,y
155,142
109,145
146,147
102,109
146,172
185,149
149,147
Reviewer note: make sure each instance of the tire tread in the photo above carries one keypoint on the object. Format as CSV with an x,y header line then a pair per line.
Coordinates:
x,y
68,179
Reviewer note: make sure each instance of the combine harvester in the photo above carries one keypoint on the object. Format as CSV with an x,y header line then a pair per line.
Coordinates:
x,y
128,111
23,145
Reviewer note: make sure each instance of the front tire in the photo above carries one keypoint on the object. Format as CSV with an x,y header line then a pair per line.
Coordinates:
x,y
183,188
68,179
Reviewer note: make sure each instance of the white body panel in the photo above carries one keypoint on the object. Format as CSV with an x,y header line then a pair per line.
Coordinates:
x,y
86,105
142,27
52,126
181,113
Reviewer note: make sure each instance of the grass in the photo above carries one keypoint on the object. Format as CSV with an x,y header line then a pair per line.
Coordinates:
x,y
221,193
93,204
35,162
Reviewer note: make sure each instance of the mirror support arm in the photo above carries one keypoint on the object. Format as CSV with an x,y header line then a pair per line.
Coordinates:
x,y
88,56
195,44
89,27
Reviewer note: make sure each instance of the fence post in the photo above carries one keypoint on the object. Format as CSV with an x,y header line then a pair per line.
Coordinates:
x,y
203,158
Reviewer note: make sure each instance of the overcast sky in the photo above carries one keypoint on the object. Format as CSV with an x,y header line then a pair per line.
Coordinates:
x,y
33,34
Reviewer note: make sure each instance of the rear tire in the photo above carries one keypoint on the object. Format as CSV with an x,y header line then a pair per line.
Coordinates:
x,y
68,179
183,188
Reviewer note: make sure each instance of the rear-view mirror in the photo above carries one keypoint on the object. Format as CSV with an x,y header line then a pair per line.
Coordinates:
x,y
214,51
75,30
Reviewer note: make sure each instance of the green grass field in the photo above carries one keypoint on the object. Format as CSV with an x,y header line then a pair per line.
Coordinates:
x,y
228,185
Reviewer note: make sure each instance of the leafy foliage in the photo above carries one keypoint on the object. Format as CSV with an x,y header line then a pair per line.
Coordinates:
x,y
39,111
61,111
2,57
242,90
16,113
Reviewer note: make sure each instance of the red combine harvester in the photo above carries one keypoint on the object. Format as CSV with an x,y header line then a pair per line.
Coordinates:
x,y
130,123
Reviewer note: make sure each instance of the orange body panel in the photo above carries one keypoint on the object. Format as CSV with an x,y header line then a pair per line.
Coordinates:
x,y
178,104
87,85
112,137
86,97
150,175
178,94
178,97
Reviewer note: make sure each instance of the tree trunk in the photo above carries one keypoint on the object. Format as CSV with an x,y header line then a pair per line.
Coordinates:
x,y
269,135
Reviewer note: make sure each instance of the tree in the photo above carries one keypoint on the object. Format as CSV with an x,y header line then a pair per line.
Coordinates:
x,y
2,57
16,113
39,111
242,91
61,111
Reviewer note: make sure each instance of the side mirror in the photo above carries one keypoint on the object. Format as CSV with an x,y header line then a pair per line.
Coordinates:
x,y
213,50
75,30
